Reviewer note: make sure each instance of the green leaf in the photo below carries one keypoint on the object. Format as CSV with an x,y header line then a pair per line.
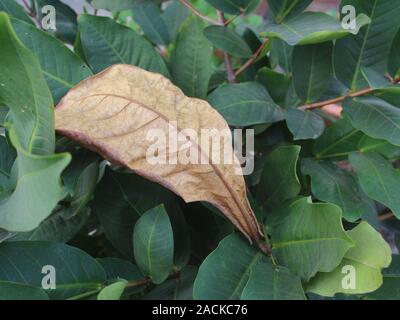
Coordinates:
x,y
307,28
37,189
66,24
175,289
132,196
24,90
18,291
304,124
113,291
279,180
375,117
394,57
277,84
3,115
281,54
354,52
338,141
225,272
309,238
61,68
331,184
245,104
58,227
7,159
175,15
341,139
120,269
367,258
391,281
120,5
76,272
153,244
234,6
148,16
15,10
287,8
84,189
191,60
312,70
116,5
379,180
228,41
269,282
106,42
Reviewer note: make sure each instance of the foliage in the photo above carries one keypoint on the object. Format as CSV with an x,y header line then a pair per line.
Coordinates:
x,y
76,192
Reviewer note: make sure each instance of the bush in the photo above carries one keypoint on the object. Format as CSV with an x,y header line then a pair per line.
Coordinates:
x,y
113,194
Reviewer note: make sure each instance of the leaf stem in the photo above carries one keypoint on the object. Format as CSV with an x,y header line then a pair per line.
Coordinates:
x,y
252,59
386,216
227,58
188,5
341,98
142,282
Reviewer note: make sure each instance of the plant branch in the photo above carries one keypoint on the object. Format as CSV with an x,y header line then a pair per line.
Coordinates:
x,y
227,58
142,282
252,59
32,13
188,5
342,98
386,216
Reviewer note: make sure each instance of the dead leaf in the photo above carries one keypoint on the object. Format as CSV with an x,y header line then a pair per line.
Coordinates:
x,y
112,112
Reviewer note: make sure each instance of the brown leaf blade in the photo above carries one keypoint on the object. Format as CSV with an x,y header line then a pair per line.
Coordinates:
x,y
113,112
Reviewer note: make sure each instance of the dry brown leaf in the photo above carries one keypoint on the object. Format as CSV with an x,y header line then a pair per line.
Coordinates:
x,y
111,113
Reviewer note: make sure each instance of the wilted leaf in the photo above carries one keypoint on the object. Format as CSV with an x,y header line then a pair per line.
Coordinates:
x,y
92,114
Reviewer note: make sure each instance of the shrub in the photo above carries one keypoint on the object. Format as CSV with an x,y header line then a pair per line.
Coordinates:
x,y
111,194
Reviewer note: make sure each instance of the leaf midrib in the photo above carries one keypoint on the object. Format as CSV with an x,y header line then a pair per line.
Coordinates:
x,y
214,167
